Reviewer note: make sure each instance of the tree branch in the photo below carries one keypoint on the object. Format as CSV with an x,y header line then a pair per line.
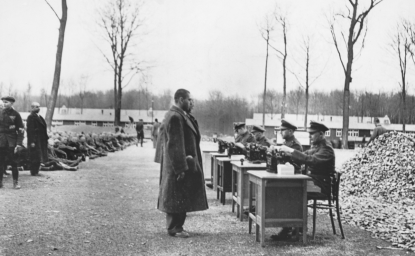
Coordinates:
x,y
53,10
333,34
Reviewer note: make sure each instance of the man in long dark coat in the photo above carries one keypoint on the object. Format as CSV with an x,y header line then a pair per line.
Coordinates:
x,y
37,139
182,187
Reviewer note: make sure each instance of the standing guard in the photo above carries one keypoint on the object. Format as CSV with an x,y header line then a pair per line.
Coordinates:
x,y
11,138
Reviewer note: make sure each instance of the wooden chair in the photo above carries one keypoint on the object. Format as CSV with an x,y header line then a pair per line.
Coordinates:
x,y
333,198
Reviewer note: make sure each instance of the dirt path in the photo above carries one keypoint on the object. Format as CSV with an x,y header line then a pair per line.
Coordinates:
x,y
107,207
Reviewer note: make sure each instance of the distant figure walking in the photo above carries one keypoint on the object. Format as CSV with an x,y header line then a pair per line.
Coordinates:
x,y
379,130
155,132
37,139
140,131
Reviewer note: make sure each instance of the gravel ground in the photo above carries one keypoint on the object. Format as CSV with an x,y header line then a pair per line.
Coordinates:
x,y
107,207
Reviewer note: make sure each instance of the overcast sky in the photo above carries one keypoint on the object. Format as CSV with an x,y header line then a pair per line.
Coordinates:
x,y
200,45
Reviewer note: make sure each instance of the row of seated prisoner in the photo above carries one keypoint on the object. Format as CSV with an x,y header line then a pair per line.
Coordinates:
x,y
66,150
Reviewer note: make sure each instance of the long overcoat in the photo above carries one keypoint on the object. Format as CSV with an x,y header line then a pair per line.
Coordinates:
x,y
181,138
37,133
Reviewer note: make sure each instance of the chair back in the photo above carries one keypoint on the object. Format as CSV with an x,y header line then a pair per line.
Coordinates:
x,y
335,185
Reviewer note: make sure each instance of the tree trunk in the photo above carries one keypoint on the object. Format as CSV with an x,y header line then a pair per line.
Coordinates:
x,y
265,83
306,89
284,97
57,76
117,116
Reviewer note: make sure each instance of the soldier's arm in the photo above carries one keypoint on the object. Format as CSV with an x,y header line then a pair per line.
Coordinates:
x,y
297,147
325,154
19,129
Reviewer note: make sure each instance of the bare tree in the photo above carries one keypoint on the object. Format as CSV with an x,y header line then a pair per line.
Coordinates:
x,y
57,75
306,83
410,29
265,33
82,84
120,23
282,54
401,44
358,24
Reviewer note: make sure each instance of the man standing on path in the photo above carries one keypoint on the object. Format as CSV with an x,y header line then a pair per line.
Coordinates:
x,y
182,187
37,139
155,132
379,130
11,138
140,132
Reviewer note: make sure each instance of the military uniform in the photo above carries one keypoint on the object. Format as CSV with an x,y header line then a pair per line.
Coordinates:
x,y
319,160
11,135
258,133
263,141
245,138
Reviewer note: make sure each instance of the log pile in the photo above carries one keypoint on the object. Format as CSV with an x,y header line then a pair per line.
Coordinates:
x,y
378,189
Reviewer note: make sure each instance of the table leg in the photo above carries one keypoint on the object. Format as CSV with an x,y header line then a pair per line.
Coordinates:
x,y
256,232
305,212
249,206
233,191
241,195
262,191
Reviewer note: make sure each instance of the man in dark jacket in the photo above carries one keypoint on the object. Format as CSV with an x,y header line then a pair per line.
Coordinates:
x,y
319,159
11,138
139,127
182,187
287,133
37,139
244,136
260,138
287,130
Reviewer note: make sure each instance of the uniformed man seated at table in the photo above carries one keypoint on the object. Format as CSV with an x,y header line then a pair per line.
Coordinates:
x,y
260,138
287,130
244,136
287,133
319,160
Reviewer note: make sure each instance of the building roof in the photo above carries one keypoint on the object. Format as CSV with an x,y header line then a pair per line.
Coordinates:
x,y
100,115
336,123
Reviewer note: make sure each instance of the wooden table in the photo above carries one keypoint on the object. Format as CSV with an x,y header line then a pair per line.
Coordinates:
x,y
213,166
224,175
207,164
280,201
240,182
